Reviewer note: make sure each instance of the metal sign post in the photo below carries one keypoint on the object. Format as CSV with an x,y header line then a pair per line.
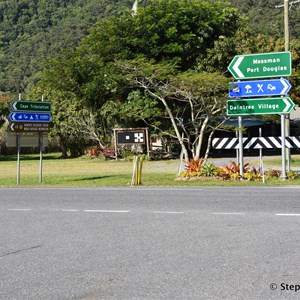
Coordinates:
x,y
41,151
41,157
18,158
283,153
18,154
241,154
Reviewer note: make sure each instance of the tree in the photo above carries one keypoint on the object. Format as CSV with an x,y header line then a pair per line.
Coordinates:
x,y
191,100
169,33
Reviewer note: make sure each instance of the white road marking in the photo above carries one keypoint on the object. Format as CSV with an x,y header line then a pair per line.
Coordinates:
x,y
19,209
106,211
168,212
288,215
70,210
227,213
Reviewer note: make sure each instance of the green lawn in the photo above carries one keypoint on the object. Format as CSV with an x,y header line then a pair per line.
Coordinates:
x,y
295,161
98,172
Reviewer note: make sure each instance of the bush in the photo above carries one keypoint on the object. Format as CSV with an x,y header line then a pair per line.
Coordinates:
x,y
193,167
271,173
197,167
209,170
232,171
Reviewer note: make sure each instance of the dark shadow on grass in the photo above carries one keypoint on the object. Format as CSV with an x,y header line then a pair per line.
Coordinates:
x,y
27,157
95,178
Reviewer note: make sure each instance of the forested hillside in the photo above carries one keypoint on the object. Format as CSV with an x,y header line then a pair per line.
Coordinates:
x,y
265,17
32,30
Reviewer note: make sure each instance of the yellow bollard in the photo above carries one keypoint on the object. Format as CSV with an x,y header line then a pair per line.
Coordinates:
x,y
137,171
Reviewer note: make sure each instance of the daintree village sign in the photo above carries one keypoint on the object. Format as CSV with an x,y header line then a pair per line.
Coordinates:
x,y
260,106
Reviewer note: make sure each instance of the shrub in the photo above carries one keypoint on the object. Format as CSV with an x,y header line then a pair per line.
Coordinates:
x,y
232,171
271,173
209,170
293,175
193,167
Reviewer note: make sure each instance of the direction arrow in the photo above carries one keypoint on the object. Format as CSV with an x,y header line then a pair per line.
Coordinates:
x,y
29,127
30,106
30,117
261,65
262,106
272,87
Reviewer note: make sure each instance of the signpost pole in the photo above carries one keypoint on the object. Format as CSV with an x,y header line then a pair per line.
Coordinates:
x,y
115,144
41,152
260,154
237,149
41,156
286,47
241,157
18,158
18,154
147,143
283,175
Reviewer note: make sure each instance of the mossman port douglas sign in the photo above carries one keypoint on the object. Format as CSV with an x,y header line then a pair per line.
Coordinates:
x,y
261,106
261,65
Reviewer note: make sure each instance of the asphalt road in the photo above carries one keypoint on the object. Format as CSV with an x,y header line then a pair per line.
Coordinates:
x,y
150,243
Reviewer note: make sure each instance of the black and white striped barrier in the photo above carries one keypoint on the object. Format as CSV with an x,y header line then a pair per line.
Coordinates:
x,y
256,142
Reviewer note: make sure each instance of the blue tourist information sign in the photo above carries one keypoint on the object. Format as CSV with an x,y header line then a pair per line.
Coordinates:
x,y
258,88
30,117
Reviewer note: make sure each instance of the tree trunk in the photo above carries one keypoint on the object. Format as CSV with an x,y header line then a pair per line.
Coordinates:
x,y
201,135
208,146
63,146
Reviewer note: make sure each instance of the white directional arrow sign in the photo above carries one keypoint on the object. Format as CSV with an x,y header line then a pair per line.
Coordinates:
x,y
258,88
260,106
289,105
261,65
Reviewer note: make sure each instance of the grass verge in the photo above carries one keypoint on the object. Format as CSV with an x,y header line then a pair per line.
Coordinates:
x,y
98,172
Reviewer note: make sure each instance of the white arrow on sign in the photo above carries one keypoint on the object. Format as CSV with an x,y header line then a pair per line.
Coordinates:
x,y
288,105
13,117
236,67
286,86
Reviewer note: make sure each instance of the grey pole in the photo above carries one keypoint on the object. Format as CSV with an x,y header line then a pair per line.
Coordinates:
x,y
241,157
237,149
287,47
283,175
18,154
260,154
41,152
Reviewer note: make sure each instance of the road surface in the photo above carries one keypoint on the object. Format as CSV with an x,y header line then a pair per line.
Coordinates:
x,y
150,243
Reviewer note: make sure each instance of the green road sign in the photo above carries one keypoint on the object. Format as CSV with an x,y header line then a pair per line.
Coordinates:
x,y
261,65
262,106
30,106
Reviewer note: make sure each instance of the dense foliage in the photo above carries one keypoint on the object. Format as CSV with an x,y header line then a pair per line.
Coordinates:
x,y
31,30
165,38
103,66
